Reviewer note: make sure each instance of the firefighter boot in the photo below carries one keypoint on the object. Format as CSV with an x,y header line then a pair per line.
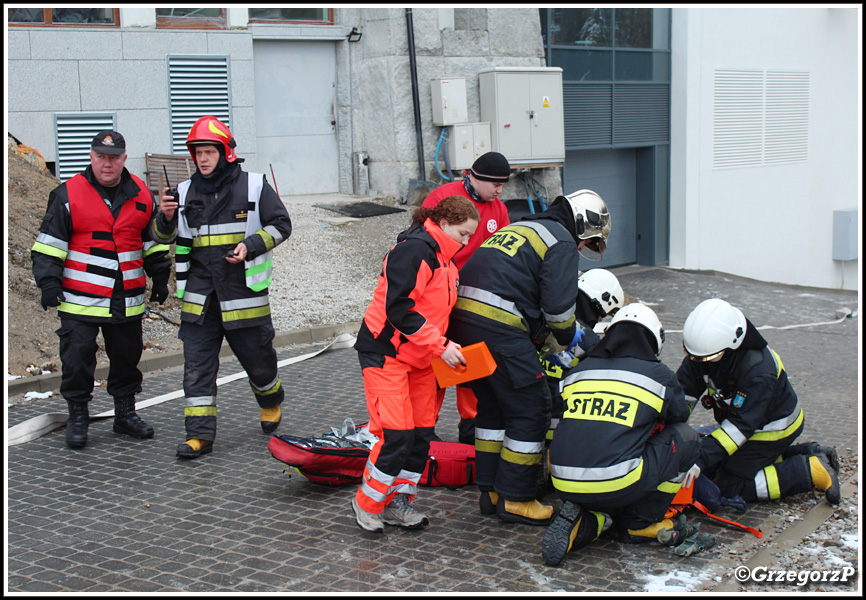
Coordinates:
x,y
401,513
194,447
824,477
127,421
677,534
812,448
270,419
571,529
531,513
487,502
76,427
647,534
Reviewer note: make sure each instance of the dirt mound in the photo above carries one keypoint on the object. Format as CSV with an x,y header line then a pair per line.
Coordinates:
x,y
32,344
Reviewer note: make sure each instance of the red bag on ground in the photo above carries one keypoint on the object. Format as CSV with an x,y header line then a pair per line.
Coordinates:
x,y
319,462
450,465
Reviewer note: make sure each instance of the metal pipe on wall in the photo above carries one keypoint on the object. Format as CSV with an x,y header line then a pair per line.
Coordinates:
x,y
410,30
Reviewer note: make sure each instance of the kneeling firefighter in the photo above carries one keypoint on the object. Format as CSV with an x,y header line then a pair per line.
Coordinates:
x,y
730,369
622,449
523,280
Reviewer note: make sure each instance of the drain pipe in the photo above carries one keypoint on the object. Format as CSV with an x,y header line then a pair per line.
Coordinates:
x,y
418,139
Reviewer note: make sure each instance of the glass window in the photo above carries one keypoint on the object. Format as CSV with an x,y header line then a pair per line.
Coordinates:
x,y
583,65
642,66
189,12
191,18
581,27
322,15
641,28
64,16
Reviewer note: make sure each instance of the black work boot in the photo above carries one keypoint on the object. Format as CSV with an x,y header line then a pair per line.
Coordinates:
x,y
76,427
126,421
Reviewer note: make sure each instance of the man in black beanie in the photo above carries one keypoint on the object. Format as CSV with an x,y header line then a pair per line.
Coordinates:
x,y
482,184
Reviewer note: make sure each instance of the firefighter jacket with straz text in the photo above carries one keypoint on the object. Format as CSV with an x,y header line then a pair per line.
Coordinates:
x,y
751,399
612,406
245,209
408,315
99,250
520,279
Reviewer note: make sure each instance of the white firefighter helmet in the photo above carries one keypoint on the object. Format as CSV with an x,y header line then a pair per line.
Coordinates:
x,y
711,328
603,290
643,315
592,219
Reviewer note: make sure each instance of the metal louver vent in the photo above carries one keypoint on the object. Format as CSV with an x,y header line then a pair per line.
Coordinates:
x,y
760,118
588,115
197,86
73,133
642,114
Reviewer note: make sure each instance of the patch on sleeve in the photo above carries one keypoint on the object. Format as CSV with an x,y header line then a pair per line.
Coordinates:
x,y
739,399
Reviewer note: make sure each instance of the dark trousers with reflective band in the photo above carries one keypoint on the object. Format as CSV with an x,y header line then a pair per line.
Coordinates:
x,y
667,455
78,347
254,349
515,402
757,472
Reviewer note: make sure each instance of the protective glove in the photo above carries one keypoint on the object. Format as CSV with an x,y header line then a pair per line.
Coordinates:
x,y
159,290
691,475
578,338
562,359
52,295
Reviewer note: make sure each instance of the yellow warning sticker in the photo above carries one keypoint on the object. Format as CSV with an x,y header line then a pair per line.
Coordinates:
x,y
545,102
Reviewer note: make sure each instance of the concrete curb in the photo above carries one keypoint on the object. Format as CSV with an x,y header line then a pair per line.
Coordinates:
x,y
154,362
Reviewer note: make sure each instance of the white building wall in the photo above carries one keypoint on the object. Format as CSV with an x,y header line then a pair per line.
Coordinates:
x,y
771,223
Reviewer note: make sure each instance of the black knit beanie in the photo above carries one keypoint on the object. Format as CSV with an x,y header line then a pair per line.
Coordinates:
x,y
491,167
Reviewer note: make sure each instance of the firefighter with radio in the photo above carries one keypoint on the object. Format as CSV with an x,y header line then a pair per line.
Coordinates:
x,y
730,369
523,279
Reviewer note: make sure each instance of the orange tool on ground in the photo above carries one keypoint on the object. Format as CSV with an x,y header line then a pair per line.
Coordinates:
x,y
479,363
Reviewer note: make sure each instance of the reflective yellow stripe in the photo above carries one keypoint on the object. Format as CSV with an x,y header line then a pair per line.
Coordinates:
x,y
669,487
87,311
268,239
534,240
598,487
247,313
779,366
490,312
199,411
561,324
490,446
49,250
193,309
772,436
725,440
273,390
156,248
772,477
218,240
519,458
131,311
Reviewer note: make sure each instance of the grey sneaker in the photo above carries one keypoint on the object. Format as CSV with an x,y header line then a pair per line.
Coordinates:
x,y
400,512
367,521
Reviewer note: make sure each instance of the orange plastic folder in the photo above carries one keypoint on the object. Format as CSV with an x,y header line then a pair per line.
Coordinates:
x,y
479,363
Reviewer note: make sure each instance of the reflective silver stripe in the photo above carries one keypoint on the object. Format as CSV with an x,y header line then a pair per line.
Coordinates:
x,y
473,293
522,447
274,233
406,488
86,300
642,381
553,423
561,317
194,298
267,387
490,435
761,488
52,241
129,256
783,423
145,246
379,476
258,277
242,303
181,266
201,401
596,473
90,259
135,300
543,232
223,228
735,434
133,273
86,277
412,476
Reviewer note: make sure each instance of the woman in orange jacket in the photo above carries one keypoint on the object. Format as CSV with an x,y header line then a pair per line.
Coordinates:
x,y
403,330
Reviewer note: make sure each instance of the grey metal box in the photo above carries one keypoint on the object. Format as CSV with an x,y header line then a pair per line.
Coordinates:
x,y
845,234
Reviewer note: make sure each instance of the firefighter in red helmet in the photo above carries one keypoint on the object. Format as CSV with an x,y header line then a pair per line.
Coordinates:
x,y
227,223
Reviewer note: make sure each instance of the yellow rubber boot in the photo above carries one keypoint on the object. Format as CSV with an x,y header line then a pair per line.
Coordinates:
x,y
647,534
270,419
194,447
825,478
531,513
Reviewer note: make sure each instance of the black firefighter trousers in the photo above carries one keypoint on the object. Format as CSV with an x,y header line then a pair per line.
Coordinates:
x,y
254,349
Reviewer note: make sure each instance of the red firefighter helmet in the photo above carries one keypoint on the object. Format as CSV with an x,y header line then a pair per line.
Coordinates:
x,y
211,131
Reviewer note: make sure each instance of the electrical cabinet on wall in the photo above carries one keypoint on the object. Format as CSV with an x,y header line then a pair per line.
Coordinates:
x,y
524,108
449,101
465,143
